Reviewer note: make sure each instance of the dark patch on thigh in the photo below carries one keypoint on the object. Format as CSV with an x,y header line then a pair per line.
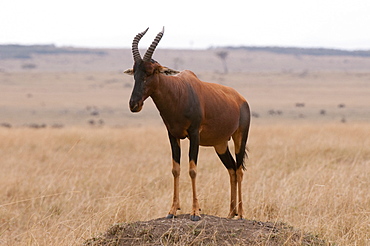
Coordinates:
x,y
227,159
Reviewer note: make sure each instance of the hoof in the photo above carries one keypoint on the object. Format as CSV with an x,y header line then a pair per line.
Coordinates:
x,y
231,217
194,217
170,216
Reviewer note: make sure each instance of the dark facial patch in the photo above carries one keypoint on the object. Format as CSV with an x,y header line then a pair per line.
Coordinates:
x,y
139,71
138,90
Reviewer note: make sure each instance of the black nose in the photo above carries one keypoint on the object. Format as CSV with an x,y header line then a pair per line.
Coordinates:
x,y
135,106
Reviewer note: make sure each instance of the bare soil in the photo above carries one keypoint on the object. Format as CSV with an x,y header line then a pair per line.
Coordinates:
x,y
210,230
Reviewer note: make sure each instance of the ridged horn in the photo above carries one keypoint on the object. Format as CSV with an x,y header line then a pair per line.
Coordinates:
x,y
135,43
150,51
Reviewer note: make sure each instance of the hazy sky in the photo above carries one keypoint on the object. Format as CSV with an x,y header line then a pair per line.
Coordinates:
x,y
188,24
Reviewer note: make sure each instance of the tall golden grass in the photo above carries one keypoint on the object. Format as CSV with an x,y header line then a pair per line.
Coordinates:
x,y
62,186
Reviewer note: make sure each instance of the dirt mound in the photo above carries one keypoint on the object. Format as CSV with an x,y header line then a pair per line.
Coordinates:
x,y
211,230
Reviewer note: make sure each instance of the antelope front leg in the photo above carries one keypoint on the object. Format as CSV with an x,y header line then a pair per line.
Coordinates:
x,y
176,154
193,157
195,215
176,200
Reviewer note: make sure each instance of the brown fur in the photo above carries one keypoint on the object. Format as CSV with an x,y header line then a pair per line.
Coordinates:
x,y
214,111
219,106
208,114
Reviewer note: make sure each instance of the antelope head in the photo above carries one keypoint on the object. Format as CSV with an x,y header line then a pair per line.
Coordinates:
x,y
145,71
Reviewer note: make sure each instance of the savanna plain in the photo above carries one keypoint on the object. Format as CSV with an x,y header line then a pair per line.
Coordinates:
x,y
74,161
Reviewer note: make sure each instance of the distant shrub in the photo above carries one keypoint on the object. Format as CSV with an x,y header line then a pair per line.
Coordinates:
x,y
57,125
255,115
37,126
6,125
275,112
29,66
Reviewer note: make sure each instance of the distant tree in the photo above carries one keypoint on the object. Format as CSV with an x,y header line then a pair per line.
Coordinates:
x,y
223,55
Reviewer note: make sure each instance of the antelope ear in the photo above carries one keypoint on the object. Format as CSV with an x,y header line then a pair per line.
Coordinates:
x,y
129,71
168,71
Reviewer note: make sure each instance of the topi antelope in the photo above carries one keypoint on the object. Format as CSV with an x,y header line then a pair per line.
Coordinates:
x,y
207,114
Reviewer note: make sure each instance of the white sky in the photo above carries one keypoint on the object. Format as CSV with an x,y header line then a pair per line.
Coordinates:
x,y
188,24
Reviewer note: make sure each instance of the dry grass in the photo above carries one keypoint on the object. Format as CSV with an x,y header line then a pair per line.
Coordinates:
x,y
62,186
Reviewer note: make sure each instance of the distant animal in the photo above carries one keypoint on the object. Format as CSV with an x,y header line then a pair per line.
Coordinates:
x,y
207,114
